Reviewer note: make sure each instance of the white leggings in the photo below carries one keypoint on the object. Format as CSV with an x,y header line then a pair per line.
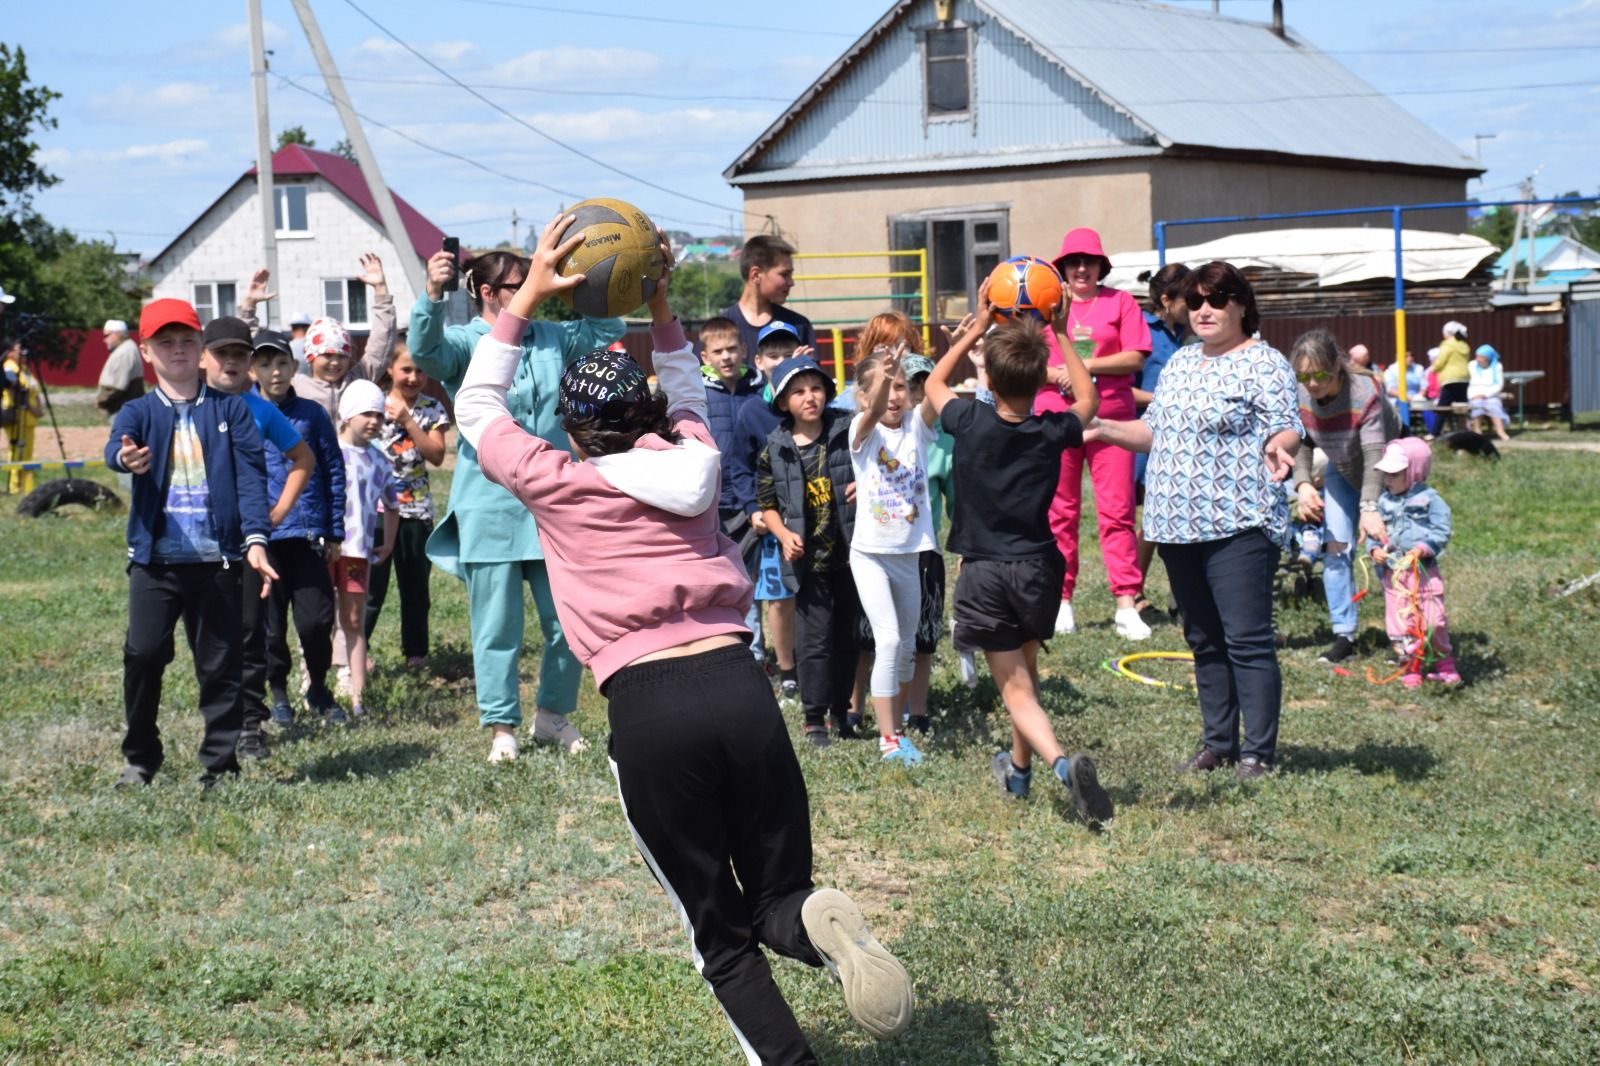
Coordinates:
x,y
891,597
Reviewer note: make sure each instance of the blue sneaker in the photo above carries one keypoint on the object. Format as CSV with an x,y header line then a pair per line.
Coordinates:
x,y
1012,784
282,715
905,753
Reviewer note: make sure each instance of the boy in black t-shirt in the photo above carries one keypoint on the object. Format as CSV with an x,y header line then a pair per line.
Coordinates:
x,y
1011,569
802,480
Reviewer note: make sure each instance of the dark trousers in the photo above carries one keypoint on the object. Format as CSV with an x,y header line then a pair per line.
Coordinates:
x,y
827,616
304,584
412,567
1224,594
206,597
253,647
716,803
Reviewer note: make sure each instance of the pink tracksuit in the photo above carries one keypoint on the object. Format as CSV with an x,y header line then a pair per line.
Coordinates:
x,y
1117,325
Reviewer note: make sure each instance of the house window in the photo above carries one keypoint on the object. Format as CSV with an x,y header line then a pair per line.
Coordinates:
x,y
947,73
345,299
289,208
213,299
964,246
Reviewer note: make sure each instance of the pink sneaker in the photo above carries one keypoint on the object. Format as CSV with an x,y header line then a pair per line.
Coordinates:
x,y
1444,672
1411,680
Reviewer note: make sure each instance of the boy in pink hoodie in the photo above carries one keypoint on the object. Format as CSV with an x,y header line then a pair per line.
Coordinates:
x,y
652,596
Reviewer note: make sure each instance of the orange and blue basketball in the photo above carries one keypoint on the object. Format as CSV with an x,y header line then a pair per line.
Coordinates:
x,y
1025,285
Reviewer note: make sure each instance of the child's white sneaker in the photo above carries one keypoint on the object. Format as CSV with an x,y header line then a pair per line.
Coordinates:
x,y
877,991
1130,626
1065,622
552,728
503,748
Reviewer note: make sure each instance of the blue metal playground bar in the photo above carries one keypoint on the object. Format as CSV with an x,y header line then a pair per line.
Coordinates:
x,y
1397,215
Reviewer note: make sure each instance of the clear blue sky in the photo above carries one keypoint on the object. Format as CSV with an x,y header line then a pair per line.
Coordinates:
x,y
156,115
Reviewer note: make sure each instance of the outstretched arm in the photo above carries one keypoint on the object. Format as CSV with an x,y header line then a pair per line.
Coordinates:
x,y
677,369
878,398
938,388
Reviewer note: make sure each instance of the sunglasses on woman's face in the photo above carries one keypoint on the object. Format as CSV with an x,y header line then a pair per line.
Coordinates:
x,y
1310,376
1217,300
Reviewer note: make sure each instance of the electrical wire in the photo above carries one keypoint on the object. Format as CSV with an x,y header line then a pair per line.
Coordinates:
x,y
519,120
447,153
806,31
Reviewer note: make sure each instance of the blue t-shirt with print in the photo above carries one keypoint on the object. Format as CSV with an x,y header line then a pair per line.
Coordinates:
x,y
188,534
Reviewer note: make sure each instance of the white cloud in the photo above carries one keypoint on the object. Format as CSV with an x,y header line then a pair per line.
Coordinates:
x,y
174,151
382,48
237,35
452,51
580,68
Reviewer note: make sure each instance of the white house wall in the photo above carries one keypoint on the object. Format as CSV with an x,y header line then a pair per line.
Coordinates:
x,y
225,245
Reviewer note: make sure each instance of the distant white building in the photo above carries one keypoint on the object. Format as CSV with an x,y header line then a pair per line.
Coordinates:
x,y
326,220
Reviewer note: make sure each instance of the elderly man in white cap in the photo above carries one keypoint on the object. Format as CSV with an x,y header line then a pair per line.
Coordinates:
x,y
122,378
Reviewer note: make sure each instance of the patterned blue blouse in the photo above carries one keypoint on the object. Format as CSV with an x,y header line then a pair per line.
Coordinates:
x,y
1210,422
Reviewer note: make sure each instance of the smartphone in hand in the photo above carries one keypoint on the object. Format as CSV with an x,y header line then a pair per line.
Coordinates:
x,y
453,246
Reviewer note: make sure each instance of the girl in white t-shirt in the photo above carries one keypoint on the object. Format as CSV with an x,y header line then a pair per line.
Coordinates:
x,y
894,524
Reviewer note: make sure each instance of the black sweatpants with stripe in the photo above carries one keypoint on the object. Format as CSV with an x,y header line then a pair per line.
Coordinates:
x,y
717,805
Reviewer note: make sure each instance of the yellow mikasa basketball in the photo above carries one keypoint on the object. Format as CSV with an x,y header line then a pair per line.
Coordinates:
x,y
619,259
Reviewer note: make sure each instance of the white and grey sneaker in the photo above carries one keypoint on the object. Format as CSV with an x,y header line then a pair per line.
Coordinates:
x,y
877,991
1065,621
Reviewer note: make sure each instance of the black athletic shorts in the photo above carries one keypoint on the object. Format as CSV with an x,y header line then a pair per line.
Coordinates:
x,y
1002,604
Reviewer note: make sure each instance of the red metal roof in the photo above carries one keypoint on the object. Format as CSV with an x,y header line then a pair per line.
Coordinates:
x,y
346,177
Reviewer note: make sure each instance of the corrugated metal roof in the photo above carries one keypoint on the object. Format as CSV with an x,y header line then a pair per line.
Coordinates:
x,y
1226,83
1085,75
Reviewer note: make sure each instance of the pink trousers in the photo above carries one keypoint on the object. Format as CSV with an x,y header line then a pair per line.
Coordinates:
x,y
1400,608
1111,472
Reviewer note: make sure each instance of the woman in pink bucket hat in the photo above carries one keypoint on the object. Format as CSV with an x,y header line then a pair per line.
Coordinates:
x,y
1111,337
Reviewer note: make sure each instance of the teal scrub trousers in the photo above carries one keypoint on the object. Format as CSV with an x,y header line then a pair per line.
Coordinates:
x,y
495,604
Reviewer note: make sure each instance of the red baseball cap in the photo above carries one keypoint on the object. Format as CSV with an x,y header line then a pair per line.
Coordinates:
x,y
167,312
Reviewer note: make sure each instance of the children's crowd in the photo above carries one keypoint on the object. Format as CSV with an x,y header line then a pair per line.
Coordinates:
x,y
741,538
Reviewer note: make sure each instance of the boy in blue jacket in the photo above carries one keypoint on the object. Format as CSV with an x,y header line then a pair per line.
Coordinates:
x,y
752,423
306,538
199,507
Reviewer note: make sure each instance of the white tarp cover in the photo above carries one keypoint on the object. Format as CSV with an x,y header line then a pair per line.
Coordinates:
x,y
1332,256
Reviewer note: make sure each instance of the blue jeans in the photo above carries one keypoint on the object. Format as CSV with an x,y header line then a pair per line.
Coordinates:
x,y
1341,503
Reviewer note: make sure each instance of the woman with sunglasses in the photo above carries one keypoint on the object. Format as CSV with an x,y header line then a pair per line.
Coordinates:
x,y
1222,431
487,538
1345,414
1108,331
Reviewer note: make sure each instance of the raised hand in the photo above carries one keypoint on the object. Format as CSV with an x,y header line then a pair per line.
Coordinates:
x,y
657,303
256,292
372,272
543,281
441,268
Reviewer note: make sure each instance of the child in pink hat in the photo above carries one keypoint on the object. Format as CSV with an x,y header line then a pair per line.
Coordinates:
x,y
1418,523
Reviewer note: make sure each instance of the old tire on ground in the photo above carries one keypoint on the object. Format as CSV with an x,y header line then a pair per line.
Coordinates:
x,y
65,491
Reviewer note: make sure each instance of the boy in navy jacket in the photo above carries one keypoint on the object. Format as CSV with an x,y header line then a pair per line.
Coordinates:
x,y
199,508
305,540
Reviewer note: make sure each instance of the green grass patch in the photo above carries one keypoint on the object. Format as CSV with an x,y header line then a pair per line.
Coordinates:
x,y
1417,884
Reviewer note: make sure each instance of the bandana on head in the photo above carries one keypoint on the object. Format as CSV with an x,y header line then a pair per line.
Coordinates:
x,y
326,337
603,384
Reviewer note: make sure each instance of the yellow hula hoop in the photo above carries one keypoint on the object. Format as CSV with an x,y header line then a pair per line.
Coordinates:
x,y
1119,665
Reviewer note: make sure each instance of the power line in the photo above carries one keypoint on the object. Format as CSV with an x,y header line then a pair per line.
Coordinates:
x,y
807,31
987,102
566,194
546,136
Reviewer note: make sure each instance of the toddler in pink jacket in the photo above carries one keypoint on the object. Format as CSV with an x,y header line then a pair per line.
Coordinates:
x,y
652,597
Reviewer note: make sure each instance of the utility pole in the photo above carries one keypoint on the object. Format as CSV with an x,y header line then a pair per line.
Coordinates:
x,y
265,190
409,261
1523,217
514,228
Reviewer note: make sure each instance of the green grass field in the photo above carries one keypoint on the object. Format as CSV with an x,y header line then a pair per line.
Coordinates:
x,y
1419,883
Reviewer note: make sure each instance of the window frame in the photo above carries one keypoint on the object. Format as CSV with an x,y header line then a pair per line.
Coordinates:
x,y
971,217
352,291
281,207
969,114
211,307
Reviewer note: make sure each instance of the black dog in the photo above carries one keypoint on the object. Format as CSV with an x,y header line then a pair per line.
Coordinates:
x,y
1464,440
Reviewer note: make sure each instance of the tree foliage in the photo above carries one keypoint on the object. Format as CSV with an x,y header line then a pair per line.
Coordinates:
x,y
59,281
23,108
297,135
344,149
701,290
